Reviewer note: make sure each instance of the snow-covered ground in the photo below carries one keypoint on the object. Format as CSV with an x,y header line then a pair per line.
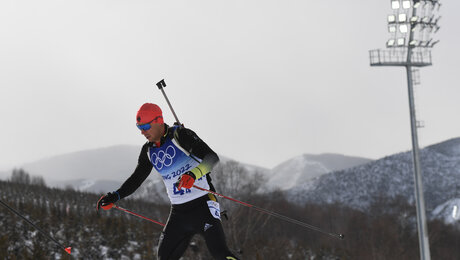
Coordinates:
x,y
449,211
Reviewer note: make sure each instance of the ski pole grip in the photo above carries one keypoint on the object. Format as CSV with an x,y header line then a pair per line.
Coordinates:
x,y
161,84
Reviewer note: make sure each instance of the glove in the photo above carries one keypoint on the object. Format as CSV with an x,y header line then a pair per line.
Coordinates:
x,y
186,180
106,201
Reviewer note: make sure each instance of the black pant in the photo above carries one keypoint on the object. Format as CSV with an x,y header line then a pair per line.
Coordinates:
x,y
186,220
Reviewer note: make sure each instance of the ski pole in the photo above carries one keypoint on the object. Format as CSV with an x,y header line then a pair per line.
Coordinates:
x,y
274,214
138,215
67,249
161,84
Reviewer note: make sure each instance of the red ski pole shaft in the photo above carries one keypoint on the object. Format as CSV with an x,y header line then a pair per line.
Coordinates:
x,y
274,214
138,215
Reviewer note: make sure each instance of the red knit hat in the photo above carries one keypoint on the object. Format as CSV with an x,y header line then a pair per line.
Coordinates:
x,y
149,113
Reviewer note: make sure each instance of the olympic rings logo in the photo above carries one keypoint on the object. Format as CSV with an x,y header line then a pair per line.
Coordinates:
x,y
163,158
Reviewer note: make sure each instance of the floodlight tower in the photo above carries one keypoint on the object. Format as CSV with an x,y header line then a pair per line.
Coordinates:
x,y
411,25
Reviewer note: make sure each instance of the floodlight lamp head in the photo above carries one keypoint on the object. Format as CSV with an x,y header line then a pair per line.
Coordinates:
x,y
391,43
394,4
402,18
392,28
416,3
406,4
403,28
391,18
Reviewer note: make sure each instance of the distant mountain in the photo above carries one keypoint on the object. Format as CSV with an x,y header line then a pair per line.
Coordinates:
x,y
389,177
102,170
111,163
307,166
105,169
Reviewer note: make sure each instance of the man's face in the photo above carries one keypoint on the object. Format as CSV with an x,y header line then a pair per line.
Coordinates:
x,y
155,132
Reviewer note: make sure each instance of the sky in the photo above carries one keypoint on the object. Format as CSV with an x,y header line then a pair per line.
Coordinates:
x,y
260,81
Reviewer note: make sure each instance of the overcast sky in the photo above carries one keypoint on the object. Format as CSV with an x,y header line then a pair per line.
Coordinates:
x,y
259,81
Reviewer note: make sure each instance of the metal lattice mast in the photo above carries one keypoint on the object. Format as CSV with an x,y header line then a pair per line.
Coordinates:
x,y
411,26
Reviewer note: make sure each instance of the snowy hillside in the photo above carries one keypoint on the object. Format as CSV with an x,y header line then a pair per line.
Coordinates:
x,y
389,177
305,167
448,148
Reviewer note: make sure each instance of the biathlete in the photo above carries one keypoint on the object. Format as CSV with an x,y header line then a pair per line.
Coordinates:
x,y
183,160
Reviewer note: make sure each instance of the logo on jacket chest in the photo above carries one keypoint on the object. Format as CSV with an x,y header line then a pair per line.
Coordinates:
x,y
163,158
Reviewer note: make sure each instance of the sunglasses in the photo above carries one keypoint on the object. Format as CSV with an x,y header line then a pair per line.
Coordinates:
x,y
147,126
144,127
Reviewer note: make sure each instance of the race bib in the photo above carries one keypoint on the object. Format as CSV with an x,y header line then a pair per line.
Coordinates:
x,y
214,208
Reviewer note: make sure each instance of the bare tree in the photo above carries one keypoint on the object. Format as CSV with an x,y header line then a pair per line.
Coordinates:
x,y
38,181
20,176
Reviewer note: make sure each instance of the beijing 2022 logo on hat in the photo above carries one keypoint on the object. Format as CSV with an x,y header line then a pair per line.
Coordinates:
x,y
163,158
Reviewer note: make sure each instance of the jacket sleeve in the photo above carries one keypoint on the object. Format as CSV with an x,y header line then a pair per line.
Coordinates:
x,y
142,171
190,141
